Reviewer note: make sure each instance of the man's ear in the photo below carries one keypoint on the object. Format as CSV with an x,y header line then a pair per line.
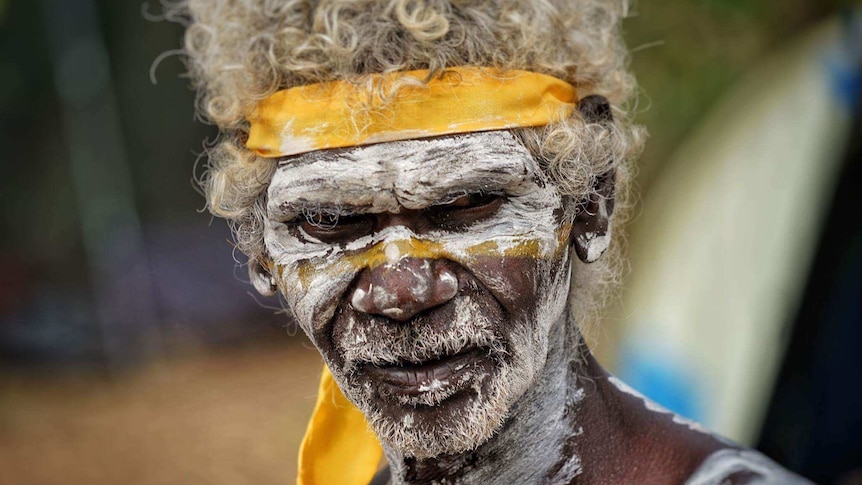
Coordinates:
x,y
591,232
261,278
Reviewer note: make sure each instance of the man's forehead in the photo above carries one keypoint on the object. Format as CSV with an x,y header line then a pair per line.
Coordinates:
x,y
415,172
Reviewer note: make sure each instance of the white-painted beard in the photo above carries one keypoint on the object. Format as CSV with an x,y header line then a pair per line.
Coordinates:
x,y
492,393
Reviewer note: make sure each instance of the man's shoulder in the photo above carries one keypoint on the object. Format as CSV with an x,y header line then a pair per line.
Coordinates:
x,y
734,466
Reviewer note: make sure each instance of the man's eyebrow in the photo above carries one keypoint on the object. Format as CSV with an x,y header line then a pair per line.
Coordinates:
x,y
316,182
470,178
310,207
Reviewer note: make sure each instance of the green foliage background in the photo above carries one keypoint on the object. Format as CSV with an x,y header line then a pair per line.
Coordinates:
x,y
687,54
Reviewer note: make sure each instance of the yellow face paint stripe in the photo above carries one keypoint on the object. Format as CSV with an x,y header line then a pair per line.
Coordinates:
x,y
417,248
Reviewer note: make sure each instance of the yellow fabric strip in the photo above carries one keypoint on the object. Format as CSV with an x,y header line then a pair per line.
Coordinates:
x,y
464,99
338,447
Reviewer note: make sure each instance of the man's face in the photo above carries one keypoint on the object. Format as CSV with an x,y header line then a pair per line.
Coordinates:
x,y
428,273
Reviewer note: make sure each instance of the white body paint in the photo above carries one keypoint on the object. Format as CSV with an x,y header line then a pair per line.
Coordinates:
x,y
433,385
724,463
596,245
654,407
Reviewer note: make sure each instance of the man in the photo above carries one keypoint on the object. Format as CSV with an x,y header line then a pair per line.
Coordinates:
x,y
432,186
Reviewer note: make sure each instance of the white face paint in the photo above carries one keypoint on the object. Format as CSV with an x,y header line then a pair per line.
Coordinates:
x,y
511,284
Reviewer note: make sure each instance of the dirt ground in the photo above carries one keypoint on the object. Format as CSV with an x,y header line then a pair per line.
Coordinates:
x,y
232,417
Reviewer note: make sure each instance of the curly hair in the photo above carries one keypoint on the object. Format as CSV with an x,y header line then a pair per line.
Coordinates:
x,y
241,51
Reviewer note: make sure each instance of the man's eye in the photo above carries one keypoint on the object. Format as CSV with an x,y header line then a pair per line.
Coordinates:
x,y
465,210
334,228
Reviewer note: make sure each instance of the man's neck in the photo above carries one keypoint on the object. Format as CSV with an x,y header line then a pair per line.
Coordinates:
x,y
538,441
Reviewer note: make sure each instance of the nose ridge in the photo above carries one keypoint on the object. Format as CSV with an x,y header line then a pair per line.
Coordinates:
x,y
401,289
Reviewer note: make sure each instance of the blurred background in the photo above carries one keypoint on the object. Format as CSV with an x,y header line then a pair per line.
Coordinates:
x,y
132,349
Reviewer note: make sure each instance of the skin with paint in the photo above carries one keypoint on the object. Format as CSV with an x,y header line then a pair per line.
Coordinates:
x,y
434,277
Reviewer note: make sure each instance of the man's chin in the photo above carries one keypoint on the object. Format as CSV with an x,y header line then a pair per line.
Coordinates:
x,y
454,418
427,433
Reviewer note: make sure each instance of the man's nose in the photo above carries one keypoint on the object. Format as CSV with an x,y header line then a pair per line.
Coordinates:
x,y
403,288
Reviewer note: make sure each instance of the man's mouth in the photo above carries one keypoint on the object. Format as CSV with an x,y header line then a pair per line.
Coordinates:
x,y
417,378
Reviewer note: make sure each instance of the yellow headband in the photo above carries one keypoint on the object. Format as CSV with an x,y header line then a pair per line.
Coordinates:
x,y
464,99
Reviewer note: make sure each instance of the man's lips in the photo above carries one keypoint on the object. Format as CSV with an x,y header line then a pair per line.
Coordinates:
x,y
414,379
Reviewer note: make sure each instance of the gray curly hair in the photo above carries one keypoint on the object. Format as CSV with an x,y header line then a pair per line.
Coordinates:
x,y
241,51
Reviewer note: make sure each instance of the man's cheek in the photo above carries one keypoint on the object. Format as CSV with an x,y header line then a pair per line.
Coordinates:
x,y
514,276
313,292
512,281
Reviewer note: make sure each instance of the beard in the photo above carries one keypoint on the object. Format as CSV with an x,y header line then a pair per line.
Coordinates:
x,y
451,415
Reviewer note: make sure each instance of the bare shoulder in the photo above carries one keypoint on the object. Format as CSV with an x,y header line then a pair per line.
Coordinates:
x,y
672,449
732,466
